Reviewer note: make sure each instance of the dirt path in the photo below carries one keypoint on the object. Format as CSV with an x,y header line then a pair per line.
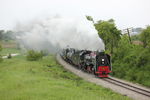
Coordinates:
x,y
98,81
15,54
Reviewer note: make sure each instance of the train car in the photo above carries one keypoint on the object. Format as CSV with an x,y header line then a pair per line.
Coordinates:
x,y
94,62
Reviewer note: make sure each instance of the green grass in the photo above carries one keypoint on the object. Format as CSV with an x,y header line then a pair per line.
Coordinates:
x,y
6,51
46,80
8,47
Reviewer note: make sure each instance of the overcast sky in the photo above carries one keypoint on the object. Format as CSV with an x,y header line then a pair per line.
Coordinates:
x,y
126,13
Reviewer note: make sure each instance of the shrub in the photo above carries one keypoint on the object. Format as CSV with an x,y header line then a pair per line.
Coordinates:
x,y
34,55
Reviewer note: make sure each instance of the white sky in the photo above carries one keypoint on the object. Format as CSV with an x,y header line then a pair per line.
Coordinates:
x,y
126,13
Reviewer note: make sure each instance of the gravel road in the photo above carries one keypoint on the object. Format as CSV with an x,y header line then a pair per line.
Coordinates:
x,y
98,81
15,54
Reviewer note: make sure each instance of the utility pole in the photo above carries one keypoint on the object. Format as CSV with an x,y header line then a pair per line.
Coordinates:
x,y
129,35
128,32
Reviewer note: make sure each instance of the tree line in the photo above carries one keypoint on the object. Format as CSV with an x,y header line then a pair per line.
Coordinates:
x,y
111,36
130,61
6,35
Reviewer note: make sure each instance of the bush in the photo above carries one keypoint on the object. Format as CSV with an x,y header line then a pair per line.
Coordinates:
x,y
34,55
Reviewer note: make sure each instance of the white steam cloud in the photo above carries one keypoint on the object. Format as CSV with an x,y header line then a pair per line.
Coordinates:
x,y
55,33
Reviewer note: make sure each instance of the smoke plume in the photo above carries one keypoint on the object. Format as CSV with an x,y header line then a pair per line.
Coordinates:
x,y
55,33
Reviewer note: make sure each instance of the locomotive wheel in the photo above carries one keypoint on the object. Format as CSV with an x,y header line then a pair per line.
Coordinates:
x,y
90,69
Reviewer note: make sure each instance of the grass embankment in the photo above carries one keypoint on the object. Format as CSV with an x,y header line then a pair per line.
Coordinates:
x,y
46,80
6,51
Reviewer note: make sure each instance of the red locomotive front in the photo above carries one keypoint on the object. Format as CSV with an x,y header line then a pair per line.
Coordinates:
x,y
103,65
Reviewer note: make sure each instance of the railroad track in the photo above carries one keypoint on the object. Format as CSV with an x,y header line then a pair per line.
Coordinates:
x,y
125,88
128,86
123,85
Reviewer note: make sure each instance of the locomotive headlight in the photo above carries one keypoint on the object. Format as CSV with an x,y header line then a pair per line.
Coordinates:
x,y
103,59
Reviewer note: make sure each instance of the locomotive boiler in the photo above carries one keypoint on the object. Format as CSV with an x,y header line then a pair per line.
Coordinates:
x,y
95,62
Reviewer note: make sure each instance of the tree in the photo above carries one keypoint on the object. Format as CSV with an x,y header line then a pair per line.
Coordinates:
x,y
90,18
111,21
145,37
109,33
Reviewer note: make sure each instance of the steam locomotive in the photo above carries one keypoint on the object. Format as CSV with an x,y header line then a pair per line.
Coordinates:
x,y
94,62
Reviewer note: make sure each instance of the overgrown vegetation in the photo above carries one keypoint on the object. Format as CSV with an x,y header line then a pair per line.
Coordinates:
x,y
131,62
145,37
34,55
45,79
